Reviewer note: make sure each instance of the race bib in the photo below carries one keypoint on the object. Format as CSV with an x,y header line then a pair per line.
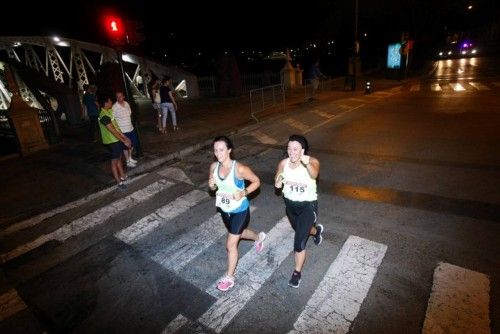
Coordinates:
x,y
224,201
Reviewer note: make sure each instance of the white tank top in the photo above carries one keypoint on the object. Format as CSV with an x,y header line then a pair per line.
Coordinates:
x,y
226,188
298,185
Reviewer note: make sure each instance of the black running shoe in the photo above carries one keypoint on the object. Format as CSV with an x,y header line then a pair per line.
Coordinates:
x,y
318,237
295,280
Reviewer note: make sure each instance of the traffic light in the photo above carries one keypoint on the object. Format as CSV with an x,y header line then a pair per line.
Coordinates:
x,y
115,29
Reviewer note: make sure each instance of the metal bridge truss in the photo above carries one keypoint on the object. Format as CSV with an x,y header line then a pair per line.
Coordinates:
x,y
69,61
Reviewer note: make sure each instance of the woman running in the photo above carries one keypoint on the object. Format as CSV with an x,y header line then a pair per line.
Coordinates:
x,y
297,175
228,177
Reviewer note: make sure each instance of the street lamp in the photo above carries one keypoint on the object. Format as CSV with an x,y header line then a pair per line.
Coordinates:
x,y
355,51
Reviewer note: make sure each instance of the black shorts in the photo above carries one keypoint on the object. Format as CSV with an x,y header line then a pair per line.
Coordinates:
x,y
235,222
116,149
302,216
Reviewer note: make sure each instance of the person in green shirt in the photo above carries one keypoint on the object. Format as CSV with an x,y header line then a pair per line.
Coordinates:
x,y
113,139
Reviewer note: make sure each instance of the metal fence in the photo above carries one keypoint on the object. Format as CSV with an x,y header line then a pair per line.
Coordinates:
x,y
322,85
266,98
208,86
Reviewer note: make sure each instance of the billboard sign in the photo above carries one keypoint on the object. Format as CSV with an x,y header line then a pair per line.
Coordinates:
x,y
394,56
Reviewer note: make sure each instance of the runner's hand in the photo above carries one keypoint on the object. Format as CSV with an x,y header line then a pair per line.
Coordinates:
x,y
278,183
211,182
238,195
305,159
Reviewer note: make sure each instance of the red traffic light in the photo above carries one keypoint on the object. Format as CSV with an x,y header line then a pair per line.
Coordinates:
x,y
114,27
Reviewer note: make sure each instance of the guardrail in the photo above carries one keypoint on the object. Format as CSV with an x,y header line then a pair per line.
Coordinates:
x,y
266,98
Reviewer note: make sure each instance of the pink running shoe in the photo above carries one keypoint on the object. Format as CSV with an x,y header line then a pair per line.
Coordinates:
x,y
226,283
259,244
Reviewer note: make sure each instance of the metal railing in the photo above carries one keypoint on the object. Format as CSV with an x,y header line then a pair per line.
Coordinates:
x,y
208,86
322,85
266,98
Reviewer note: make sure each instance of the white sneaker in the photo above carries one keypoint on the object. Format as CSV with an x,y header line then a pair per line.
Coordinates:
x,y
132,160
130,164
259,244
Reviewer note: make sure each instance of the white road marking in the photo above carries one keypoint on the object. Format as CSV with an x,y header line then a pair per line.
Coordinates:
x,y
322,113
41,217
459,302
252,272
263,138
10,304
415,88
296,124
90,220
436,88
148,224
338,298
382,93
175,174
355,99
175,324
479,86
191,244
344,106
457,87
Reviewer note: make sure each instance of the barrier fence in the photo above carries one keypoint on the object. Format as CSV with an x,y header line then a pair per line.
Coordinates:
x,y
266,98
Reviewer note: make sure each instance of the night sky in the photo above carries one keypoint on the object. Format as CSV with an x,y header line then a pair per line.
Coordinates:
x,y
182,28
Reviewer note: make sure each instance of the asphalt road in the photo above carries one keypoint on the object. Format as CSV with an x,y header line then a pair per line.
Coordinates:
x,y
408,195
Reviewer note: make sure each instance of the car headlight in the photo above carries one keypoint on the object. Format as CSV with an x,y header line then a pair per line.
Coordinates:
x,y
473,51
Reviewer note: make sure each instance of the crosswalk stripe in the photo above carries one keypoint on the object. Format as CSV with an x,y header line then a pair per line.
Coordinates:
x,y
175,174
459,302
479,86
10,304
321,113
436,88
175,324
338,298
41,217
382,93
457,87
263,138
183,250
90,220
296,124
415,88
355,99
148,224
253,271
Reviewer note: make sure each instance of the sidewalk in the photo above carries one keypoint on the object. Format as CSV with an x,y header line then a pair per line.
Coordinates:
x,y
75,168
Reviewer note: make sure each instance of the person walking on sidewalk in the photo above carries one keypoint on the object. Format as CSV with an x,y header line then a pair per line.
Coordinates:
x,y
168,104
113,139
297,175
123,116
227,177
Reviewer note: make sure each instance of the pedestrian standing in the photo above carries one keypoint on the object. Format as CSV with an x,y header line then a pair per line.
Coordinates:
x,y
156,101
168,105
123,116
297,175
114,140
227,177
91,105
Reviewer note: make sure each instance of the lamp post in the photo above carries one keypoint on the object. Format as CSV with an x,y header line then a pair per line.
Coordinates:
x,y
355,48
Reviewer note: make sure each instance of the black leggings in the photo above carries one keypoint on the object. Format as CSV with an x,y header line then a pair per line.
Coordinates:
x,y
302,216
